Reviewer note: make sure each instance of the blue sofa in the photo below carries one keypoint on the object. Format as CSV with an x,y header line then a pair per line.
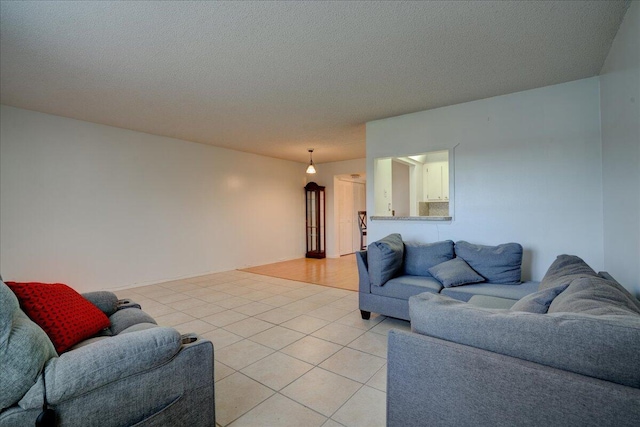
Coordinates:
x,y
566,355
391,271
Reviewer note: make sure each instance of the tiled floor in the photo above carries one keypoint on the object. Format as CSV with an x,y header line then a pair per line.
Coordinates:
x,y
287,353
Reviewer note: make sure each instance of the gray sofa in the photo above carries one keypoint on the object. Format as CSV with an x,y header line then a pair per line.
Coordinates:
x,y
134,373
391,271
567,355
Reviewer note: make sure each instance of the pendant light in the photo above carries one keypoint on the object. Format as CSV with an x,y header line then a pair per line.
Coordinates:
x,y
311,168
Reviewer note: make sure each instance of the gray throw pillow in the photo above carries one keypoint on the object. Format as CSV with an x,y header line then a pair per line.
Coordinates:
x,y
500,264
455,272
538,302
385,259
420,257
564,269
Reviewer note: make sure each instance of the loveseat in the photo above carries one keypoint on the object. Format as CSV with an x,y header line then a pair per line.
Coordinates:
x,y
133,372
391,271
566,355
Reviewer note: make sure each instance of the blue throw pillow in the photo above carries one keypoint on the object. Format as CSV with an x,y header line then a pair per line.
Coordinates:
x,y
420,257
455,272
538,302
500,264
385,259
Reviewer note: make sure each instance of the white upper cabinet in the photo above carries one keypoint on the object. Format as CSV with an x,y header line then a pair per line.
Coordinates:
x,y
436,181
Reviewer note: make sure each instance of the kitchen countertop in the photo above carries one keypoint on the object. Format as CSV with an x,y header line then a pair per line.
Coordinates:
x,y
410,218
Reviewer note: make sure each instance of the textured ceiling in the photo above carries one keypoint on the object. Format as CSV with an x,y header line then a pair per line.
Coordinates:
x,y
276,78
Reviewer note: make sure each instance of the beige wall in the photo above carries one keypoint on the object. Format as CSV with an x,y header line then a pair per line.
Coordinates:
x,y
99,207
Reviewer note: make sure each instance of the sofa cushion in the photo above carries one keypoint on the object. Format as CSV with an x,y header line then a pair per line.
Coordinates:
x,y
455,272
24,349
106,301
564,269
385,259
604,347
464,293
420,257
485,301
595,296
500,264
538,302
125,318
64,314
405,286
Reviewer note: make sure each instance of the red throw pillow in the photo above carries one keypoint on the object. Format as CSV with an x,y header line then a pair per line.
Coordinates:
x,y
65,315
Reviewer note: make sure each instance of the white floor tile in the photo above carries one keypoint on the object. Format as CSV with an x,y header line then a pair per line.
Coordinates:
x,y
277,337
305,324
248,327
279,411
277,316
339,334
321,390
354,364
367,408
236,395
371,343
242,354
277,370
311,349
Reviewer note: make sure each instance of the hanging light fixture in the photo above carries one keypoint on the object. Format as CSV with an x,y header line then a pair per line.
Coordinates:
x,y
311,168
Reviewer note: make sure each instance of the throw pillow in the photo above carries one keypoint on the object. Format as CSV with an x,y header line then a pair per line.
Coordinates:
x,y
61,312
420,257
564,269
455,272
385,259
538,302
500,264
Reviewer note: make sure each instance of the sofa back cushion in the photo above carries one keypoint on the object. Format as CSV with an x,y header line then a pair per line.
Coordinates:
x,y
500,264
24,349
564,269
604,347
385,259
595,296
420,257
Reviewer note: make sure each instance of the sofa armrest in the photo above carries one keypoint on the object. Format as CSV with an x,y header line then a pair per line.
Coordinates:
x,y
106,301
93,366
441,383
364,284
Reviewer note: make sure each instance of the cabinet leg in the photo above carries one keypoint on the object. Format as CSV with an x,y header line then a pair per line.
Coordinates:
x,y
365,314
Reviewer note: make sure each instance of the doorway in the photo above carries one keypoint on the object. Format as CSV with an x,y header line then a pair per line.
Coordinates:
x,y
350,198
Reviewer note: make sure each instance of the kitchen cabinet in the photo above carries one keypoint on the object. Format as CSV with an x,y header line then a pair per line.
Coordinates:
x,y
436,181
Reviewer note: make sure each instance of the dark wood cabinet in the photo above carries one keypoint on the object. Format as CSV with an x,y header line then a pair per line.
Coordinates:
x,y
315,220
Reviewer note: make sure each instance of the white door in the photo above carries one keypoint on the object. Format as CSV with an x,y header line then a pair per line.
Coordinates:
x,y
344,192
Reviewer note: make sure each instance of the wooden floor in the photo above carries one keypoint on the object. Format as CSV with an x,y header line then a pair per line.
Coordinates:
x,y
335,272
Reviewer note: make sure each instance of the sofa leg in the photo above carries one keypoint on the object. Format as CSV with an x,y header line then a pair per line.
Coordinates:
x,y
365,314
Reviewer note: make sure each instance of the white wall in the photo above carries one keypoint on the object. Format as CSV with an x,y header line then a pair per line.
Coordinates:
x,y
527,169
620,111
324,177
99,207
